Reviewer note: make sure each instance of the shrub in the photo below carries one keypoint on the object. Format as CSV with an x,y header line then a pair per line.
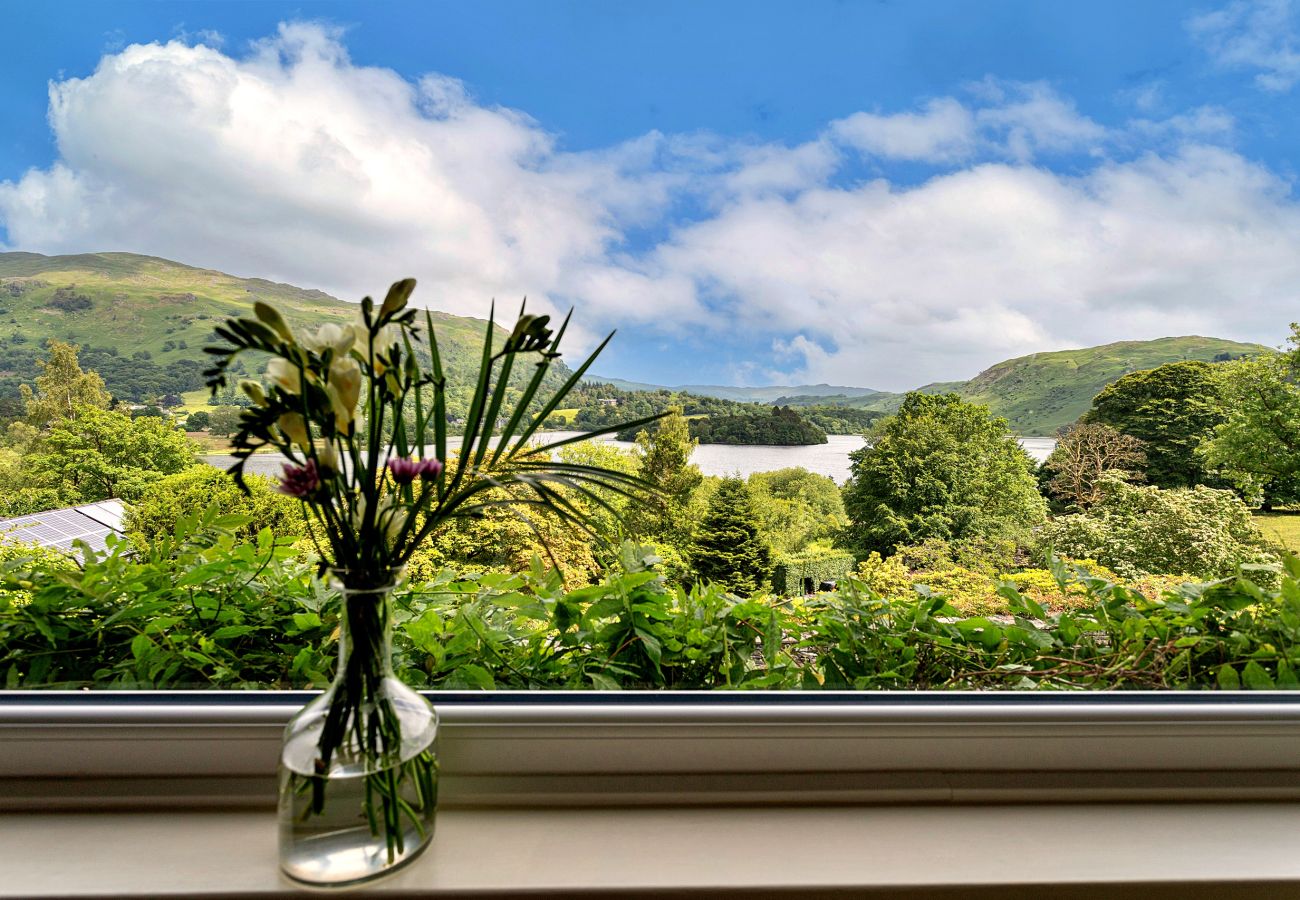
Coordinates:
x,y
1201,532
156,514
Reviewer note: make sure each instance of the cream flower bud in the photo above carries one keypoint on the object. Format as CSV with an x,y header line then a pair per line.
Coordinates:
x,y
253,391
271,317
328,458
344,390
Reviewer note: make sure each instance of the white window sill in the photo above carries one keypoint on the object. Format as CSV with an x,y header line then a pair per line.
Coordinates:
x,y
1101,851
903,795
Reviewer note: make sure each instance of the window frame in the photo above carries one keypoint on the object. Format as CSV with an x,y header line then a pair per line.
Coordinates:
x,y
116,749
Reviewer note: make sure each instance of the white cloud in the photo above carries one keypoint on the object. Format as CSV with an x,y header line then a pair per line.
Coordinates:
x,y
1253,34
943,131
295,164
1017,120
998,260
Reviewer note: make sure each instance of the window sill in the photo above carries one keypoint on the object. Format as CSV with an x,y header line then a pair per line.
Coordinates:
x,y
907,795
1112,852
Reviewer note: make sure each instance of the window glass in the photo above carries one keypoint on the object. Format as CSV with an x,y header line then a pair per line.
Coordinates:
x,y
954,344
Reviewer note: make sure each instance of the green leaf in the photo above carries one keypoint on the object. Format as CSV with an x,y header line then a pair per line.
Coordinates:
x,y
602,682
231,631
1227,678
305,621
140,646
1256,678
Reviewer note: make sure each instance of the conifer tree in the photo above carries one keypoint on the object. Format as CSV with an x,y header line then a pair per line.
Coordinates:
x,y
727,549
665,461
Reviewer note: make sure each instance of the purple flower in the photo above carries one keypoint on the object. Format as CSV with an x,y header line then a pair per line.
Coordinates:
x,y
404,471
300,481
429,468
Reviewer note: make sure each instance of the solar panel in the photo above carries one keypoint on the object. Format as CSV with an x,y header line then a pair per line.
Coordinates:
x,y
59,528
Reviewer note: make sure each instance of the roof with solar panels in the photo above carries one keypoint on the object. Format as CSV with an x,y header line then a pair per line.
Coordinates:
x,y
59,528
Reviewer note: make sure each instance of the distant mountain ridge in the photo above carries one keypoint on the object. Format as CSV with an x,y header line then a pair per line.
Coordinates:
x,y
769,394
143,321
1037,394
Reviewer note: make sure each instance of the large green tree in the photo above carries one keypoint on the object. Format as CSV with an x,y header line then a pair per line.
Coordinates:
x,y
728,550
1171,409
101,453
1257,445
940,468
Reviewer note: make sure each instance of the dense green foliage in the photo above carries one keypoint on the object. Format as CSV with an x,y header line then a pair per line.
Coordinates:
x,y
940,468
202,609
72,449
796,508
780,426
715,420
664,460
1199,532
728,550
1257,443
1171,409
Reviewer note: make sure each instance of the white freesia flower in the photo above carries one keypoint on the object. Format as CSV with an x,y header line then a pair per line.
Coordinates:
x,y
294,427
285,375
338,338
344,389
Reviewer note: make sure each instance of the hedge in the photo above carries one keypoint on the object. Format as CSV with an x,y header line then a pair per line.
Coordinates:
x,y
795,571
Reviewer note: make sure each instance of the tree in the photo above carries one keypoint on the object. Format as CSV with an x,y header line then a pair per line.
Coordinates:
x,y
728,550
62,388
98,453
1084,453
1171,409
940,468
224,420
796,508
1257,446
665,461
198,421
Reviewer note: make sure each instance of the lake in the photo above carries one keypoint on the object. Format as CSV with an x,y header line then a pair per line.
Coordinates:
x,y
831,458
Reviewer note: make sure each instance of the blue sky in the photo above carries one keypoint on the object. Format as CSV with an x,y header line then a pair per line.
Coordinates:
x,y
879,194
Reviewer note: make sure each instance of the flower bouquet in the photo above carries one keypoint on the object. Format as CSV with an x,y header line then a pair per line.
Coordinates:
x,y
359,413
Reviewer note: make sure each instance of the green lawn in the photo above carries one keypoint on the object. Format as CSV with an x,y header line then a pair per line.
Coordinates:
x,y
1284,527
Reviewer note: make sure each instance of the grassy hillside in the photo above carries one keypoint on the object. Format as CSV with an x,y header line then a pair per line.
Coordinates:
x,y
1040,393
143,321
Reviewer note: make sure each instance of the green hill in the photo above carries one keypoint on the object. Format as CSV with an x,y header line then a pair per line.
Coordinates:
x,y
142,321
1042,392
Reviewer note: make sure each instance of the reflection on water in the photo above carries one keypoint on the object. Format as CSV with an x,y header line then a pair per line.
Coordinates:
x,y
831,458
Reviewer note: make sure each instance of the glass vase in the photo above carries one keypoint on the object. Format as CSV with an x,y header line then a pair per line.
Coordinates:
x,y
358,771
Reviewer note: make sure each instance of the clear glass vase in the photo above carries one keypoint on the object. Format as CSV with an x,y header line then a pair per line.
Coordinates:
x,y
358,771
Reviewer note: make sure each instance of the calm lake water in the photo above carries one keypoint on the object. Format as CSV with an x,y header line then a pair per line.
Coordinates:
x,y
831,458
